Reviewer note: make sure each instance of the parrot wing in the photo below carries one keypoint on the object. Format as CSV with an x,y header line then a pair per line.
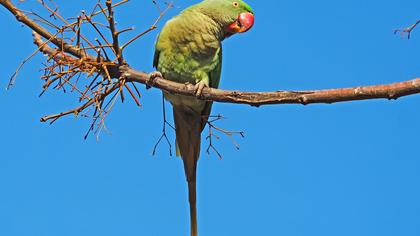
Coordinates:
x,y
214,78
156,58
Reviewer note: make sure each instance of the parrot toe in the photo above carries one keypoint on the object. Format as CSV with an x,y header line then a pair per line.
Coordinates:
x,y
152,77
199,88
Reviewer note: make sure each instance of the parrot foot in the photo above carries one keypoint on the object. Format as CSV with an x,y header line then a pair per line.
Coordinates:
x,y
199,88
152,76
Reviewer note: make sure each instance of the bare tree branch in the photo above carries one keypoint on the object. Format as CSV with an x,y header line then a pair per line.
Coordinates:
x,y
79,109
386,91
20,16
407,30
118,73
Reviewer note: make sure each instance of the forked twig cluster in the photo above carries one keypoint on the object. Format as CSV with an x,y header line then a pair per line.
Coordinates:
x,y
214,132
164,135
408,30
91,68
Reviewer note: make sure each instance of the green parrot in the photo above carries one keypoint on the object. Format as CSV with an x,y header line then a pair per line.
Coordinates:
x,y
189,50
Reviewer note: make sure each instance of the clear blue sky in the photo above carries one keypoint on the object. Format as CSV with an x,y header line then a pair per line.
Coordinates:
x,y
346,169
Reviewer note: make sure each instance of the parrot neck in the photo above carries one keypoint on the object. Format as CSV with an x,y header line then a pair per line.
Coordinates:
x,y
200,20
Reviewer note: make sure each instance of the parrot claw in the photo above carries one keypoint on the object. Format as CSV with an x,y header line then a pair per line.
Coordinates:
x,y
152,76
199,88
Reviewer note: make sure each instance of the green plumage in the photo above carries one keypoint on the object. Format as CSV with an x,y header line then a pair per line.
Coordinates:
x,y
189,50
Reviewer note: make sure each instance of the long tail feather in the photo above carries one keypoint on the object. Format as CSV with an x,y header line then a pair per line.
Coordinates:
x,y
193,207
188,124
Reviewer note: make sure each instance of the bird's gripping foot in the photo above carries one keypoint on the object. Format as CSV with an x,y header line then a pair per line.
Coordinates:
x,y
151,80
199,88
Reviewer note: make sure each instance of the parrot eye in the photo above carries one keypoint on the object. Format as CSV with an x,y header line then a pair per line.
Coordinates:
x,y
236,4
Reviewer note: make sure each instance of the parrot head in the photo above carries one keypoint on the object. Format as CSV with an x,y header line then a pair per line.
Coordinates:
x,y
234,15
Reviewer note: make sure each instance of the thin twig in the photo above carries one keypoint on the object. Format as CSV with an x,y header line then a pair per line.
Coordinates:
x,y
212,134
407,30
114,33
113,6
14,76
79,109
154,26
164,135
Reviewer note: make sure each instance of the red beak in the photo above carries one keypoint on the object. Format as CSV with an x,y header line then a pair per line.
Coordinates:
x,y
244,22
